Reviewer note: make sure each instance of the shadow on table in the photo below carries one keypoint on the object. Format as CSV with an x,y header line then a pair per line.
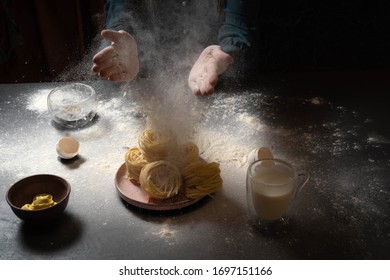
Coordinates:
x,y
316,240
205,209
72,163
54,236
62,128
153,215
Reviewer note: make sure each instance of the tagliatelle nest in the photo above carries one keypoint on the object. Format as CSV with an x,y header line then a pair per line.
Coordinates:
x,y
163,169
201,179
188,153
156,146
160,179
134,163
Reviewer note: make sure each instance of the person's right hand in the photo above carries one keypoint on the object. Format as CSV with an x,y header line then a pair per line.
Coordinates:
x,y
212,62
118,62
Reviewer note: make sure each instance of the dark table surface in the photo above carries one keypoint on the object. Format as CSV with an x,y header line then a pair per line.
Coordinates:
x,y
334,126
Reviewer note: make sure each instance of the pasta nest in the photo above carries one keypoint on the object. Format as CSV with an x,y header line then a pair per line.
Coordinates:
x,y
189,153
156,146
134,163
160,179
201,179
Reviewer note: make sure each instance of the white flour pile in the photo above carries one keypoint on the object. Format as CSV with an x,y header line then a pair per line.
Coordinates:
x,y
37,101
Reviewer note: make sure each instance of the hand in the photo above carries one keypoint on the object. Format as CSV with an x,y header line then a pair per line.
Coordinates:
x,y
212,62
118,62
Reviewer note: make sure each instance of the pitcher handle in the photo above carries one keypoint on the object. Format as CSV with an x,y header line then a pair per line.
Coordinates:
x,y
304,178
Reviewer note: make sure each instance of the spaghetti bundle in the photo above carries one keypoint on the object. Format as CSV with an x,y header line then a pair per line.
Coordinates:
x,y
201,179
156,146
134,163
189,153
160,179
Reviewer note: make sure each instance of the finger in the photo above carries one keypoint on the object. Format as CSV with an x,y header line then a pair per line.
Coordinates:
x,y
112,35
191,81
207,88
104,54
198,83
210,79
212,74
194,87
107,72
121,77
108,63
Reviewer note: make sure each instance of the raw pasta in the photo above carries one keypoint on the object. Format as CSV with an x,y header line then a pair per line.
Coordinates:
x,y
162,168
201,179
134,163
189,153
160,179
156,146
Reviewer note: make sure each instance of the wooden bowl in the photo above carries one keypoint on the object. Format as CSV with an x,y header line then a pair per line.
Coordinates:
x,y
23,192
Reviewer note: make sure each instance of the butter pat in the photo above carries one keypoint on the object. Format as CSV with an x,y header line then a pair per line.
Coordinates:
x,y
40,201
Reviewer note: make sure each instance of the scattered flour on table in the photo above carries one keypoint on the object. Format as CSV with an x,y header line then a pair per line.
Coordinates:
x,y
222,148
166,233
237,133
316,101
375,138
253,121
37,101
118,119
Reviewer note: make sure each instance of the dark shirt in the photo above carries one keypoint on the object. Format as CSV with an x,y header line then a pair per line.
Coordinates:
x,y
266,35
169,31
238,31
238,35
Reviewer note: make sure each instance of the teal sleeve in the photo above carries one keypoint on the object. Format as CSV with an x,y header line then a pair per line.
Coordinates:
x,y
240,26
121,13
237,36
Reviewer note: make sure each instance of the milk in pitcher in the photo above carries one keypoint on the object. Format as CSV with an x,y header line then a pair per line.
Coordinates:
x,y
272,190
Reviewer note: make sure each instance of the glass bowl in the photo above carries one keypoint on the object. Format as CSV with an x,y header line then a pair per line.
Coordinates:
x,y
73,105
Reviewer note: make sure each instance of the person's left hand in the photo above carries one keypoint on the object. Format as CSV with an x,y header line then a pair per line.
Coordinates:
x,y
118,62
212,62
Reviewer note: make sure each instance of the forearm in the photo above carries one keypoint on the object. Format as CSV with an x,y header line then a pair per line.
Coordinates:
x,y
238,34
120,14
